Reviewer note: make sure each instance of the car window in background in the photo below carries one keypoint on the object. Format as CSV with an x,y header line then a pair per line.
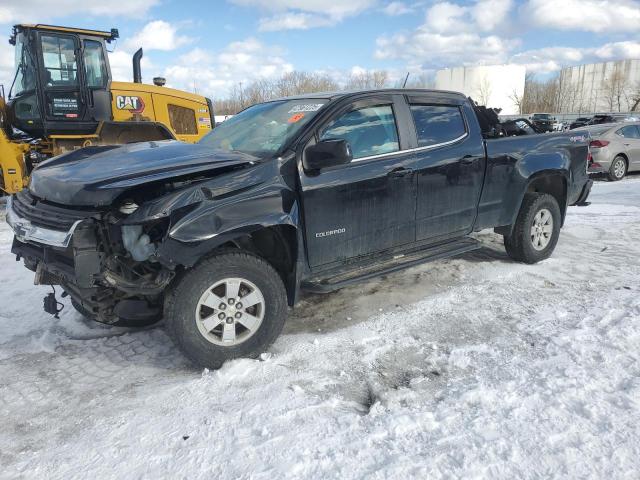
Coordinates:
x,y
630,131
437,123
261,130
369,131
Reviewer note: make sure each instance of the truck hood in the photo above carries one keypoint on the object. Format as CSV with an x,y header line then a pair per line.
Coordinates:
x,y
96,176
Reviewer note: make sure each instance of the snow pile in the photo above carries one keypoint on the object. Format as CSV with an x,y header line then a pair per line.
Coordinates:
x,y
474,367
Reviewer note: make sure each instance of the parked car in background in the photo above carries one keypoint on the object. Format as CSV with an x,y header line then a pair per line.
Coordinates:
x,y
560,126
579,122
543,122
600,118
518,127
615,149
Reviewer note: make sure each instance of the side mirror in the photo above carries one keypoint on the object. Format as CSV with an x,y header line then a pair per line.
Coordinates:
x,y
327,153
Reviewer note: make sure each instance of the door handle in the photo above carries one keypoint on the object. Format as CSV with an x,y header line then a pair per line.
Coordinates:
x,y
467,160
399,172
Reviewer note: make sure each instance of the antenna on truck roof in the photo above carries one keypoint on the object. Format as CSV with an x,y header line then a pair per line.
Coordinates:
x,y
405,80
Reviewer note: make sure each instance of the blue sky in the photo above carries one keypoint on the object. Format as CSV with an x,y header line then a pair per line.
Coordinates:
x,y
211,46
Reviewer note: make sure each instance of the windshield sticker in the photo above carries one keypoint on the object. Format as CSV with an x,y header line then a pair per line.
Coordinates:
x,y
296,118
307,107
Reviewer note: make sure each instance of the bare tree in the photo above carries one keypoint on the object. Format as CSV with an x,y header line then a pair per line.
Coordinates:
x,y
634,97
365,80
293,83
517,100
483,91
615,91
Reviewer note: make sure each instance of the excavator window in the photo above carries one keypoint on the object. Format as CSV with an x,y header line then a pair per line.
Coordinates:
x,y
95,65
59,56
25,76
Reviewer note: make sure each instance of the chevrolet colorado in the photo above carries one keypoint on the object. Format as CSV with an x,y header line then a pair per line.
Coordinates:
x,y
304,193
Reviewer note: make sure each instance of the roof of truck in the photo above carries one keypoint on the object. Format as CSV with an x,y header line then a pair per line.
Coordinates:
x,y
348,93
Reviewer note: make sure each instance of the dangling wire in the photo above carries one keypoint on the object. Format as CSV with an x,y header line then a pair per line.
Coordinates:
x,y
52,305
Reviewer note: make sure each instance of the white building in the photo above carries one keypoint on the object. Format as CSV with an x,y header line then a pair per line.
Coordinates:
x,y
600,87
494,86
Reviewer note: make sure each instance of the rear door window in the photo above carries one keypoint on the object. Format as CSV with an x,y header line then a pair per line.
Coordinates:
x,y
436,124
629,131
369,131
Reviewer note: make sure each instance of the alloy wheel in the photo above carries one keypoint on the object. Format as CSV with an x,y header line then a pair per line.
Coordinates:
x,y
230,311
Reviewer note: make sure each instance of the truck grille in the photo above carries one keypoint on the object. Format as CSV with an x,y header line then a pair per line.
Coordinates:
x,y
46,215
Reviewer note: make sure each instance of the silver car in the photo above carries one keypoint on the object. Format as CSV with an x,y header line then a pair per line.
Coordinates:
x,y
615,147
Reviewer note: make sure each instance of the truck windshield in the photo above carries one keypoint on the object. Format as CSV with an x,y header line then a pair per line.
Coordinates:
x,y
262,130
24,78
542,116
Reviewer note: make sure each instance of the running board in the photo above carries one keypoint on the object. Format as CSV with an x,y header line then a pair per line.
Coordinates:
x,y
392,264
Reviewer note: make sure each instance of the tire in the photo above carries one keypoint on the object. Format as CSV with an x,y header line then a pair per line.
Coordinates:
x,y
618,169
203,330
530,242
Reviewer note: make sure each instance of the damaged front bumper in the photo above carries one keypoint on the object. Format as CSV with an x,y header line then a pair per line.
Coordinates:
x,y
98,280
26,231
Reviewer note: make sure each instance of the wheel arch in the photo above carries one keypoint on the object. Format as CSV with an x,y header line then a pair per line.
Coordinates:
x,y
276,243
553,182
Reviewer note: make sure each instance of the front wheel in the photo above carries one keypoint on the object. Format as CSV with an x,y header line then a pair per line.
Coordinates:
x,y
536,231
618,169
231,305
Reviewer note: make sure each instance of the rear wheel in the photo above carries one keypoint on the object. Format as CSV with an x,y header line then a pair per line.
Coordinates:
x,y
229,306
618,169
536,231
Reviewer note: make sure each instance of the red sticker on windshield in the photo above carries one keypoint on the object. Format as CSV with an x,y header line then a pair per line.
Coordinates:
x,y
296,118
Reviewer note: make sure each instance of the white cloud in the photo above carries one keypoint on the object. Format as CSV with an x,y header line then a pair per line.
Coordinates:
x,y
553,59
601,16
34,11
158,35
122,68
446,17
293,21
304,14
397,8
453,35
490,14
216,74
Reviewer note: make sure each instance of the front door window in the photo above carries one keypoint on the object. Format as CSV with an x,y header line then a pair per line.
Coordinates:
x,y
369,131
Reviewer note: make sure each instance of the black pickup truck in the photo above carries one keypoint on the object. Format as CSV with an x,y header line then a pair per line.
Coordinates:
x,y
307,193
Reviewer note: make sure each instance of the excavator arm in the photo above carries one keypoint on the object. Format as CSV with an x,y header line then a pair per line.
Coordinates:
x,y
13,171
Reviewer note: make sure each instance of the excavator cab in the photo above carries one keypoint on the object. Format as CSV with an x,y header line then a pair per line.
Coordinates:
x,y
61,81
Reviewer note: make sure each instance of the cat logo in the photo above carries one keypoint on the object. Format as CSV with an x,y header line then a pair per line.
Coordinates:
x,y
130,103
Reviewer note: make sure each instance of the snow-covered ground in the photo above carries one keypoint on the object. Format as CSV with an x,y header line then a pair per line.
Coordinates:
x,y
474,367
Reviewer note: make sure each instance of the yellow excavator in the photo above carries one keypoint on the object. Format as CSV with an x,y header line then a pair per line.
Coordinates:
x,y
62,97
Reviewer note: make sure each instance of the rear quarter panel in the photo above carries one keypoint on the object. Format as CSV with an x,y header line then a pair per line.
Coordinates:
x,y
514,162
